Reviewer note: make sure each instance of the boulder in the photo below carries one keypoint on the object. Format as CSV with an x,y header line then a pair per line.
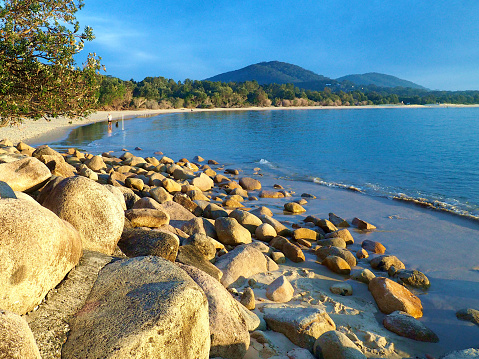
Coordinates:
x,y
362,275
343,234
229,231
261,211
293,252
199,225
145,217
37,250
186,202
337,265
204,244
293,207
336,345
391,296
280,290
324,252
249,184
16,338
362,254
118,195
338,221
373,246
246,219
229,332
141,307
203,182
192,256
278,257
58,166
92,209
96,163
179,215
135,183
306,234
241,263
334,242
160,194
407,326
270,194
213,211
326,226
265,232
469,314
170,185
280,228
384,262
363,225
136,242
25,175
413,278
301,325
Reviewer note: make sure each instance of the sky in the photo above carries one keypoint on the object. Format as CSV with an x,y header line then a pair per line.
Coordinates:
x,y
432,43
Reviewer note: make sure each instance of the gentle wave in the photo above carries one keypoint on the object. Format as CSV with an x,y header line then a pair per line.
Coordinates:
x,y
378,191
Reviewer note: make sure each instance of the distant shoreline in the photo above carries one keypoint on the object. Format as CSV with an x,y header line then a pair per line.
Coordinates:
x,y
42,131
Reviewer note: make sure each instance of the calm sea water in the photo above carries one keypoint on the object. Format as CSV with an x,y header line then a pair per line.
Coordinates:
x,y
427,153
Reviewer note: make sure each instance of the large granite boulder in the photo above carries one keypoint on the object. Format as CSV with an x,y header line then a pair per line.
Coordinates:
x,y
144,307
242,262
203,182
37,250
25,175
136,242
192,256
179,215
391,296
92,209
229,332
16,338
301,325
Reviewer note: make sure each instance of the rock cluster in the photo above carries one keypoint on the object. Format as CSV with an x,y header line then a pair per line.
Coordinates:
x,y
181,257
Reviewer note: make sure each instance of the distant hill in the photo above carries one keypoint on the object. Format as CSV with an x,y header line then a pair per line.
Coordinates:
x,y
271,72
380,80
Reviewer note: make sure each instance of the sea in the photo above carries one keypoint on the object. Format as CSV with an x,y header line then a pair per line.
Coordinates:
x,y
412,172
429,155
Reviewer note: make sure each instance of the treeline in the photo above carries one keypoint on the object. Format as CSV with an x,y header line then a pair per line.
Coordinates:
x,y
162,93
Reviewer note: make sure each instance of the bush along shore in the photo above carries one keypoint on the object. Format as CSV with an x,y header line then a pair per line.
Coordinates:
x,y
132,257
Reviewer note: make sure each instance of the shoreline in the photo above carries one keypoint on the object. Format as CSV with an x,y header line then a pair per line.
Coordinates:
x,y
30,131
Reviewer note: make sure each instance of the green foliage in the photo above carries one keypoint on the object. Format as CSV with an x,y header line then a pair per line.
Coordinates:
x,y
38,75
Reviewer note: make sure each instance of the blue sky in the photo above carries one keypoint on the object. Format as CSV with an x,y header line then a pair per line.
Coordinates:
x,y
432,43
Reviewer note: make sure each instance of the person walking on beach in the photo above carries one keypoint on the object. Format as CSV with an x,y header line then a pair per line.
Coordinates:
x,y
110,119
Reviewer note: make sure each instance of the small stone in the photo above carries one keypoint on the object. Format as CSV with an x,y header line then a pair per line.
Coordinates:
x,y
307,195
247,299
250,184
413,278
326,226
385,261
338,221
363,225
280,290
293,207
334,344
265,232
362,254
344,289
278,257
362,275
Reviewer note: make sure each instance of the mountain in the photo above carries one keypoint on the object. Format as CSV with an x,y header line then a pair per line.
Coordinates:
x,y
271,72
380,80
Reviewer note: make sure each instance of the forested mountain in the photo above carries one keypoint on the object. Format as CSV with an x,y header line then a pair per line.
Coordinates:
x,y
276,72
380,80
273,72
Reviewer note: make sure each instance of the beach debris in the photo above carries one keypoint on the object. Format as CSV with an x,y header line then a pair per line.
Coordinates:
x,y
407,326
391,296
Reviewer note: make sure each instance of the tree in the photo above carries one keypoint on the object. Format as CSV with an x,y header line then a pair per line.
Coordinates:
x,y
38,74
